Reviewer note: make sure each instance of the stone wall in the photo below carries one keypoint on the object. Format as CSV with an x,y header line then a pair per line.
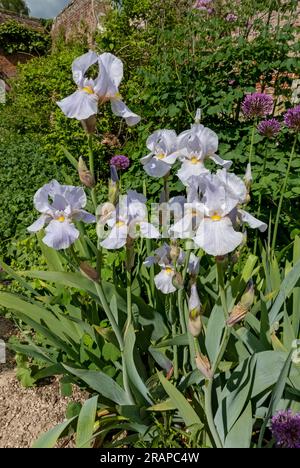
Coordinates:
x,y
80,17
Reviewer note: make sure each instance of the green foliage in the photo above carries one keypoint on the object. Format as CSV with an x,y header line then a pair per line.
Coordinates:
x,y
118,337
24,168
17,6
16,37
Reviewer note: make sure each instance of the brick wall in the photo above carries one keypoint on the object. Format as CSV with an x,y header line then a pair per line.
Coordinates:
x,y
80,17
9,62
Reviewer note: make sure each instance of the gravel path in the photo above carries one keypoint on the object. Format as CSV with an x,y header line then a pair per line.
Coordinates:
x,y
25,413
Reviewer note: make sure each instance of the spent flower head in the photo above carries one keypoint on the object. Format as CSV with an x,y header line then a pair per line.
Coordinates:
x,y
257,105
285,427
269,128
292,118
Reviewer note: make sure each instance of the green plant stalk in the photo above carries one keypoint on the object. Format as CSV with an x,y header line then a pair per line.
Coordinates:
x,y
222,293
252,143
172,301
260,197
92,169
166,188
182,318
282,194
209,389
118,334
223,346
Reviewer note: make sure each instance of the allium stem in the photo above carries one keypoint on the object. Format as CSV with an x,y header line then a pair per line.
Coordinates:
x,y
282,194
92,168
260,197
252,143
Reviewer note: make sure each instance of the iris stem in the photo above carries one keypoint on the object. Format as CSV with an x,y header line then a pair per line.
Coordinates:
x,y
174,332
223,346
282,194
221,285
166,188
92,169
209,390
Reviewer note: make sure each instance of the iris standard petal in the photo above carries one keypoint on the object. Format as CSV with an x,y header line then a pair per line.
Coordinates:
x,y
41,198
120,109
80,105
38,224
252,222
75,196
233,184
116,238
156,168
217,237
60,235
221,162
113,67
81,65
164,281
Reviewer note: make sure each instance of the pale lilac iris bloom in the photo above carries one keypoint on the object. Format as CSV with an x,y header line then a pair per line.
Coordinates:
x,y
164,280
223,193
60,206
128,221
162,145
84,102
194,147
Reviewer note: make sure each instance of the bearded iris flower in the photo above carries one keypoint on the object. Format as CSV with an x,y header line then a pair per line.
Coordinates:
x,y
223,194
84,103
60,206
128,221
164,280
194,147
163,146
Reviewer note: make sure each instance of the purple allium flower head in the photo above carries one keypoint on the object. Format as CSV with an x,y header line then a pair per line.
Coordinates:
x,y
231,18
120,162
292,118
257,105
285,427
269,128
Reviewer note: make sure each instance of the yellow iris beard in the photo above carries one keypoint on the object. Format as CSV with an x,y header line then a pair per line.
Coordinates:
x,y
169,270
194,160
61,219
120,223
88,90
160,156
215,217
